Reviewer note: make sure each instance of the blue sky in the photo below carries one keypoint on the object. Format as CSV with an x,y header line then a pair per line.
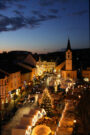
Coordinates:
x,y
43,25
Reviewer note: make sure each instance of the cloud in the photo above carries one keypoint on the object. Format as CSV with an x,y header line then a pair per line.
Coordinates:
x,y
11,1
63,9
52,16
5,3
18,22
51,2
79,13
32,22
13,23
46,2
2,6
18,12
63,1
43,17
55,11
36,12
36,21
46,17
20,6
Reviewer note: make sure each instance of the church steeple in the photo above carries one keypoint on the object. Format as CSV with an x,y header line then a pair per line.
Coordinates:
x,y
68,57
68,45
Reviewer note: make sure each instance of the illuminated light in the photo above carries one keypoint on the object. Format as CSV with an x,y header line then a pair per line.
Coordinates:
x,y
67,90
35,119
41,129
33,122
29,83
86,79
36,98
27,132
29,129
17,91
6,100
39,115
79,96
78,86
55,70
74,121
59,75
11,95
2,101
70,84
43,112
63,114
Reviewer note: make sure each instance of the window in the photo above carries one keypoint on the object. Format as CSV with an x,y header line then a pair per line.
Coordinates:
x,y
68,75
5,82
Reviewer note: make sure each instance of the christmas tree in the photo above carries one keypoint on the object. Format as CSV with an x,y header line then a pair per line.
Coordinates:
x,y
46,102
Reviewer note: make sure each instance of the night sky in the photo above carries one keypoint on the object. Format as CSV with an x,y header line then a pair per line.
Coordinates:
x,y
43,25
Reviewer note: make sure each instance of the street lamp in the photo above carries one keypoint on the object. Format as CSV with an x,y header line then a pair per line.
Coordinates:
x,y
74,121
75,129
79,96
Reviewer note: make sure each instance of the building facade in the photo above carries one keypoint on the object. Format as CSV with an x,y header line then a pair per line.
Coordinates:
x,y
86,74
44,66
3,89
14,83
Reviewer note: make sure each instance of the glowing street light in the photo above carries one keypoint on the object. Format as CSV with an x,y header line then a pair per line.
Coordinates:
x,y
74,121
67,90
54,70
79,96
59,75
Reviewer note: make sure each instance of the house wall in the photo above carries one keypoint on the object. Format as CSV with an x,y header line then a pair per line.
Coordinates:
x,y
14,81
4,90
86,74
69,74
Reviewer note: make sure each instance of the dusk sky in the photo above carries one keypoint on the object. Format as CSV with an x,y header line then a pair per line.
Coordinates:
x,y
43,25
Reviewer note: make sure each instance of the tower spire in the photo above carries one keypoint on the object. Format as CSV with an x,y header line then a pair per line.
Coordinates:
x,y
68,45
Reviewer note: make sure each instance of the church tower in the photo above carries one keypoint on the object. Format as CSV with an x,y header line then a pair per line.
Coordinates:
x,y
68,57
68,72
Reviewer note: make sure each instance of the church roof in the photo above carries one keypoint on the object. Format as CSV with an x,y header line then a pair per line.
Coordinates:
x,y
68,45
